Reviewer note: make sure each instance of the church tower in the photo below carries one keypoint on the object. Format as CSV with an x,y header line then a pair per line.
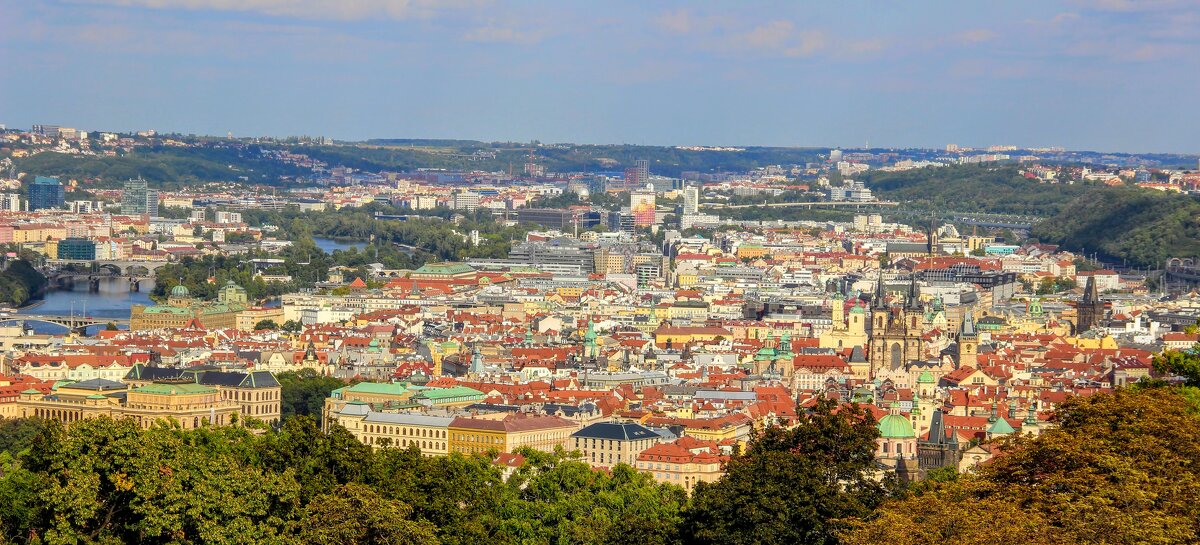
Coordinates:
x,y
968,342
896,331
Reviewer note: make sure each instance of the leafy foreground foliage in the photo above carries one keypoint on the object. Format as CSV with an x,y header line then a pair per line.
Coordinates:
x,y
303,392
106,481
793,486
1122,469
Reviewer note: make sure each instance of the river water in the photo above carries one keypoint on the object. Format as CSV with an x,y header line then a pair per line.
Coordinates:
x,y
114,298
329,245
112,301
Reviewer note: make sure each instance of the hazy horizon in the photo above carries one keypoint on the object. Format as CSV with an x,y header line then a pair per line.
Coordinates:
x,y
1104,75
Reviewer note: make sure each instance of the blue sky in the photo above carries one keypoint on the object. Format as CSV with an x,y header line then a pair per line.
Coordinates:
x,y
1112,75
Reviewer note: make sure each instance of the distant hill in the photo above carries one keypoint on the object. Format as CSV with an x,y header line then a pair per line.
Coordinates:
x,y
1141,225
1144,226
993,189
163,166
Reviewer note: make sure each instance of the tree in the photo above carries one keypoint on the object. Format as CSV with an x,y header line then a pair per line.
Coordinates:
x,y
354,514
1120,468
268,325
793,485
1181,363
292,326
303,393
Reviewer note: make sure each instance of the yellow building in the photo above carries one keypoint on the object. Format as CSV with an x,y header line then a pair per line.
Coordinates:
x,y
751,251
676,464
392,396
257,394
247,319
191,405
481,435
849,329
605,444
680,336
181,309
397,397
396,430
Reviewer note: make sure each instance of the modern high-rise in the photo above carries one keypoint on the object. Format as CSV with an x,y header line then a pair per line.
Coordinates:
x,y
45,192
691,200
10,202
139,199
637,176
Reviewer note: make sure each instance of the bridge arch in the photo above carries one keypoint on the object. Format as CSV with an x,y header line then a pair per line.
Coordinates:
x,y
113,269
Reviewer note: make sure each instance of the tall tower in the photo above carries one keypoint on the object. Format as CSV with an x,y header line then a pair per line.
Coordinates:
x,y
968,342
895,331
1090,308
933,238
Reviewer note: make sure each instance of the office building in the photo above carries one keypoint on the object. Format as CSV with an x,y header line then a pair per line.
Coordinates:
x,y
555,218
10,202
138,199
76,249
638,175
224,217
691,200
466,201
45,193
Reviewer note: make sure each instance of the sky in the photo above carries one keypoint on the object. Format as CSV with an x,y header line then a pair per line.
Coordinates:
x,y
1105,75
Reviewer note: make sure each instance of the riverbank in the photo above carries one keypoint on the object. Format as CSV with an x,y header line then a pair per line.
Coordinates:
x,y
32,304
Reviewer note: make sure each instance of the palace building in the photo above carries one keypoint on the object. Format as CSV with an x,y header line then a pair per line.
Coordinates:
x,y
182,309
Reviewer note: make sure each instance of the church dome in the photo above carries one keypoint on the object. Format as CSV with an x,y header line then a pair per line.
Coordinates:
x,y
1000,427
894,426
925,378
180,291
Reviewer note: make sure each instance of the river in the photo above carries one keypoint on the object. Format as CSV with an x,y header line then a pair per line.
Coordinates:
x,y
329,245
112,301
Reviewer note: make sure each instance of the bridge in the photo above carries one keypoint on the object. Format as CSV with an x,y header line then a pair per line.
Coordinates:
x,y
814,204
108,267
1023,223
74,323
65,278
1182,273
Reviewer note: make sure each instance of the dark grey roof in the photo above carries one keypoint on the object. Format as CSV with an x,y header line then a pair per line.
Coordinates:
x,y
97,384
253,379
620,431
145,372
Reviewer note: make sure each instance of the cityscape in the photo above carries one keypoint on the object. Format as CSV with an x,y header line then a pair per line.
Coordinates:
x,y
300,338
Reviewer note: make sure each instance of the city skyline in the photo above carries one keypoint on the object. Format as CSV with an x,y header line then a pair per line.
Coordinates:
x,y
1100,75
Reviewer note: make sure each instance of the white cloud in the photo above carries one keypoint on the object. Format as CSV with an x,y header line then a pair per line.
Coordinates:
x,y
1136,5
683,21
1059,21
779,38
342,10
975,36
502,34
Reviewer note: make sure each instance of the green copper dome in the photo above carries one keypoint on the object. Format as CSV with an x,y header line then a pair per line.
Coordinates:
x,y
180,291
1000,427
894,426
925,378
765,353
